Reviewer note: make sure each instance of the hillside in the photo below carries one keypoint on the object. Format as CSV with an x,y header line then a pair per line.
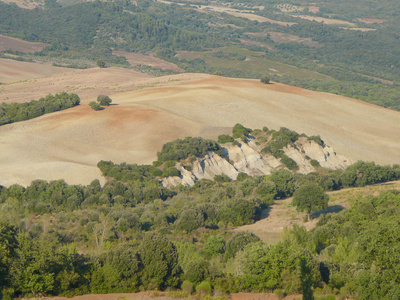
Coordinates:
x,y
69,144
310,45
12,71
199,149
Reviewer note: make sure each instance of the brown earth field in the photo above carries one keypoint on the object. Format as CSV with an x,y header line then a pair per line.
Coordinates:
x,y
13,70
7,43
88,83
149,112
371,20
26,3
136,59
325,20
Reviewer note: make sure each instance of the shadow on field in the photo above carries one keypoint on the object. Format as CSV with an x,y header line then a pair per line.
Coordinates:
x,y
330,209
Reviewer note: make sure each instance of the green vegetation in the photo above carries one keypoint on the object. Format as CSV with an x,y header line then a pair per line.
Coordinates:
x,y
16,112
265,79
95,106
225,138
134,234
289,163
182,149
280,139
310,197
351,254
239,131
100,63
104,100
317,139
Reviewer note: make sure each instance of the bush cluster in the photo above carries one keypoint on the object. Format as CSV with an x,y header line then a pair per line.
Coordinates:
x,y
16,112
182,149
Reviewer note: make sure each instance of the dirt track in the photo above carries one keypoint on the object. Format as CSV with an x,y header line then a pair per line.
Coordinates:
x,y
153,111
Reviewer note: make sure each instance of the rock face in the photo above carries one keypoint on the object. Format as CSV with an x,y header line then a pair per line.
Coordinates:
x,y
211,165
248,158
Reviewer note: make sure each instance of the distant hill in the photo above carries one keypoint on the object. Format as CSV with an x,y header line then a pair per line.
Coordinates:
x,y
337,46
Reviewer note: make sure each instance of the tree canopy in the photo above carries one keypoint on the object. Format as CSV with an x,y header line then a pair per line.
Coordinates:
x,y
310,197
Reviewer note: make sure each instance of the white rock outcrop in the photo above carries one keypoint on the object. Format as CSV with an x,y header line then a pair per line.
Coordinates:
x,y
248,158
212,164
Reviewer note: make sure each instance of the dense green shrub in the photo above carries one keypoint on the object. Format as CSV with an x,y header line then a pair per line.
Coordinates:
x,y
238,242
285,183
315,163
104,100
289,163
204,288
190,219
265,79
239,131
182,149
160,261
215,245
364,173
95,106
197,271
187,287
15,112
310,197
222,178
170,172
225,138
317,139
267,191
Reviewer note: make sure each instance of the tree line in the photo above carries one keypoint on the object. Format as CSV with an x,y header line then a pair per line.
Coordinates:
x,y
16,112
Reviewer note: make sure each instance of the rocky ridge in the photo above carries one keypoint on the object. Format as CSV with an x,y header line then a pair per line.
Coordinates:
x,y
250,159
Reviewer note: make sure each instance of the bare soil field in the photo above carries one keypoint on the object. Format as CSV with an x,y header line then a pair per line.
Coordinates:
x,y
359,29
13,70
246,14
30,4
371,20
325,20
282,215
149,112
258,18
254,43
7,42
280,37
136,59
275,219
88,84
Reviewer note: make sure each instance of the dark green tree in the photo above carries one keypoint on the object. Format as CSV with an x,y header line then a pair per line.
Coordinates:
x,y
215,245
100,63
160,261
197,271
190,219
239,131
265,79
310,197
104,100
285,183
119,273
238,242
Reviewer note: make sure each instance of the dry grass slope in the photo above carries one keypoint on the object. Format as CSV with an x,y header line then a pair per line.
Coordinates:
x,y
151,111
